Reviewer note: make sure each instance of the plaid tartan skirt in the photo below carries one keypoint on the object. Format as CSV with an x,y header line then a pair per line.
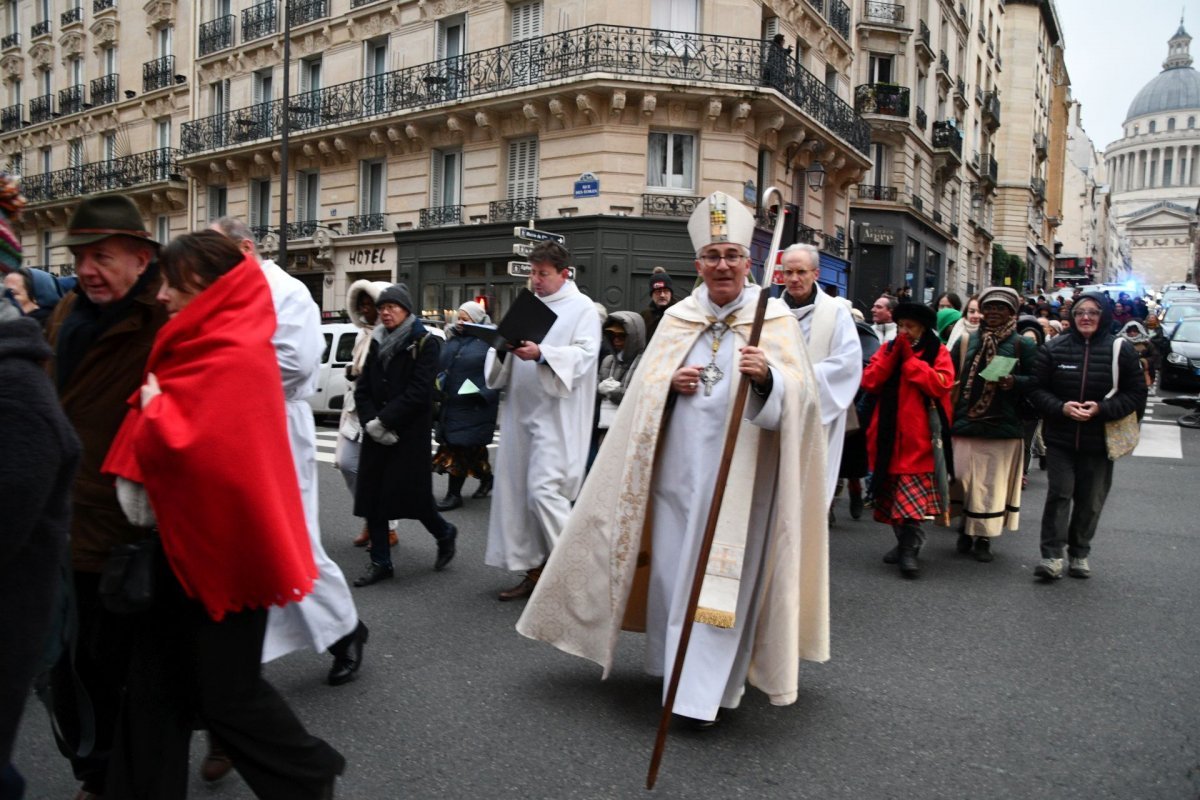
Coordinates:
x,y
906,498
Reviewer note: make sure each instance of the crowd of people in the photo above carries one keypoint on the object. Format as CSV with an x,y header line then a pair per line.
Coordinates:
x,y
924,413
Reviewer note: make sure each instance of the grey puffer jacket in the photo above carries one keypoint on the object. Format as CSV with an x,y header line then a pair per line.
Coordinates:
x,y
621,368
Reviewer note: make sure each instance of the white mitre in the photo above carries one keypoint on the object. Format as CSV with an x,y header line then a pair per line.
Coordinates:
x,y
720,219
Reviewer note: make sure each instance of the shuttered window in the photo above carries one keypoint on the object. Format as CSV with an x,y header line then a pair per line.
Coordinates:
x,y
445,178
260,203
526,20
522,168
308,196
371,187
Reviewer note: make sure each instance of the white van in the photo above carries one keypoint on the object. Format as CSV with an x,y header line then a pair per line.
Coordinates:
x,y
339,348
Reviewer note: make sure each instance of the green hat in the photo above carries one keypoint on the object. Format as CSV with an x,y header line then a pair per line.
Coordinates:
x,y
946,317
99,218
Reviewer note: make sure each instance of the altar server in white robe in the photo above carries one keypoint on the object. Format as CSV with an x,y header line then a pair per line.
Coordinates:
x,y
326,619
833,348
545,423
627,556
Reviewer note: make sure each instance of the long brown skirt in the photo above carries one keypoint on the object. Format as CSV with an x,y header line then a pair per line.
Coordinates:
x,y
990,472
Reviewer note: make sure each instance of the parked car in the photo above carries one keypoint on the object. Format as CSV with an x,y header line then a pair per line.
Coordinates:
x,y
1176,311
1181,367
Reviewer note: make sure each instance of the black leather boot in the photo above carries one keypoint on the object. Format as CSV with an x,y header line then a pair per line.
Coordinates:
x,y
909,567
453,498
445,547
485,487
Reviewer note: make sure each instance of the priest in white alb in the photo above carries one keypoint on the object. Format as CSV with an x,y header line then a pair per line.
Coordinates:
x,y
628,553
545,423
833,348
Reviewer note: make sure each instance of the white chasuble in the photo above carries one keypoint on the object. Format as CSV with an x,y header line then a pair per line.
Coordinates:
x,y
545,430
658,465
327,613
836,355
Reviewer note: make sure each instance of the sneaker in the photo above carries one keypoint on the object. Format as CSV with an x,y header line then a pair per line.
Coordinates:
x,y
1049,569
1079,568
983,549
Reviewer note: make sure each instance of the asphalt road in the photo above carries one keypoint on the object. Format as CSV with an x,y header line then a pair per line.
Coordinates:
x,y
973,681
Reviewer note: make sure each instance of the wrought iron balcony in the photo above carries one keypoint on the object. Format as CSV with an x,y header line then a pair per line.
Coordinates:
x,y
991,173
40,29
868,192
71,16
438,216
918,203
954,230
947,137
944,62
302,229
41,109
991,110
10,40
1038,187
1041,146
839,17
924,40
806,234
260,231
961,86
104,89
669,205
364,223
260,20
158,74
102,5
123,174
819,5
70,100
12,118
216,35
833,245
881,98
303,11
516,210
886,13
357,3
922,118
667,56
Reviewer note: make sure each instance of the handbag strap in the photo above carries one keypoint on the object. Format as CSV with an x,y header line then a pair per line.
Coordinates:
x,y
1116,356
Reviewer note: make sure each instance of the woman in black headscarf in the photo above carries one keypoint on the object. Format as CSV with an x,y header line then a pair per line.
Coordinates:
x,y
911,377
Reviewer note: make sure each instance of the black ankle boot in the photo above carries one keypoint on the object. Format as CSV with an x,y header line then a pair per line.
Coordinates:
x,y
485,487
453,498
909,567
445,548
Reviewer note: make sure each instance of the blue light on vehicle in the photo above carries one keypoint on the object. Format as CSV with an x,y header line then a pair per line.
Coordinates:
x,y
1130,285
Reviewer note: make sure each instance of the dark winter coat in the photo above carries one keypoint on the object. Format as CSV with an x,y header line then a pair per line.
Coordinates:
x,y
395,481
1003,421
467,420
102,376
38,456
1070,367
652,315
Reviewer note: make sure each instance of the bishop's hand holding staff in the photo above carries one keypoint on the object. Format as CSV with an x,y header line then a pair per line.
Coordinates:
x,y
629,550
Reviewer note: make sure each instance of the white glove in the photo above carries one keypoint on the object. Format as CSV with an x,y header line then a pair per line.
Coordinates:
x,y
135,503
377,431
608,386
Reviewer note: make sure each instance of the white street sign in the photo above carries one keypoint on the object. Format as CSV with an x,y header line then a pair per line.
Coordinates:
x,y
534,235
520,269
522,249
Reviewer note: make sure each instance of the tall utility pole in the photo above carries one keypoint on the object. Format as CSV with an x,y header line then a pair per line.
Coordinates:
x,y
284,129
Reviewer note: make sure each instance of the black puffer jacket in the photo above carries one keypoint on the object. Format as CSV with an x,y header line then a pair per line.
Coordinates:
x,y
1070,367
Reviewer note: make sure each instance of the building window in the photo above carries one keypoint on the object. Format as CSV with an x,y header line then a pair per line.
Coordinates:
x,y
445,178
1191,122
879,170
879,69
451,36
262,85
371,188
162,229
308,196
526,20
108,59
766,174
46,153
164,39
375,67
1168,168
75,153
218,93
46,248
217,202
1153,126
675,15
522,168
1171,124
671,160
260,203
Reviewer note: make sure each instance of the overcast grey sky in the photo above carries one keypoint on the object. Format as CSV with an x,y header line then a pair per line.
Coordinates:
x,y
1113,49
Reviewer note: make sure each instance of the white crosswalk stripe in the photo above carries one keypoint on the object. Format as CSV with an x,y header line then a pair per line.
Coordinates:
x,y
327,445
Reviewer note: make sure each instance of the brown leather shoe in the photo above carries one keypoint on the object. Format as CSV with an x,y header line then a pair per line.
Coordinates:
x,y
393,539
363,539
216,764
524,588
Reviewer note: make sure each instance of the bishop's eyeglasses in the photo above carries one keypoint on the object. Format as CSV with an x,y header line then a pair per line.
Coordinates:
x,y
733,259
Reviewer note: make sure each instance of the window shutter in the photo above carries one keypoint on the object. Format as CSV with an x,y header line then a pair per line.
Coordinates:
x,y
435,178
302,208
364,188
258,88
522,168
527,21
255,211
441,41
770,28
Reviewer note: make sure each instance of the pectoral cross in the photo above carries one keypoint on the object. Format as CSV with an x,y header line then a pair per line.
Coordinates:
x,y
710,376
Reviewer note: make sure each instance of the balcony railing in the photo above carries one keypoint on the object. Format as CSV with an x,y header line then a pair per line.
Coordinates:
x,y
302,229
937,217
918,203
158,74
943,62
833,245
947,137
1038,187
922,118
41,109
40,29
868,192
806,234
11,118
819,5
303,11
70,100
993,170
216,35
924,37
991,109
695,59
126,172
1040,145
10,40
259,231
839,17
669,205
887,13
881,98
516,210
104,89
438,216
71,16
260,20
961,86
364,223
102,5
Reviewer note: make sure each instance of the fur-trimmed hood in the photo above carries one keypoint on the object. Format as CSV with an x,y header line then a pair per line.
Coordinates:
x,y
372,288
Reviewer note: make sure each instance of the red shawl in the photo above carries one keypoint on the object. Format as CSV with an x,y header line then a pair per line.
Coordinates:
x,y
214,454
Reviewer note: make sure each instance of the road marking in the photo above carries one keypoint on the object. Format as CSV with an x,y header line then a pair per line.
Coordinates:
x,y
327,446
1159,441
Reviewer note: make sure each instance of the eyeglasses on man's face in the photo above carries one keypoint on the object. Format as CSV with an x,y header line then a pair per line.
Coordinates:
x,y
733,258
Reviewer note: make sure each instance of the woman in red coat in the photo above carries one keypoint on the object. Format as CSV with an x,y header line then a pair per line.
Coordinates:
x,y
909,377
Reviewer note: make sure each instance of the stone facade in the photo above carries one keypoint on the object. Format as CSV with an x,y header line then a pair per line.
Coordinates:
x,y
1082,236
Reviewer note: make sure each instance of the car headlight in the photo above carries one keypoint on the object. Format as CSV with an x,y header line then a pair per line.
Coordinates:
x,y
1177,358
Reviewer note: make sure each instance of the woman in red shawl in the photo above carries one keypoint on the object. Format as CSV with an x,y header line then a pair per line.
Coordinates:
x,y
229,517
911,378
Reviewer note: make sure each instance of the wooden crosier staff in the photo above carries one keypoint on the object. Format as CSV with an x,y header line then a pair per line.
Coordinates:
x,y
718,496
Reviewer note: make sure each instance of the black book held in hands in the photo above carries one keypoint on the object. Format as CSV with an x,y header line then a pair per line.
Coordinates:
x,y
528,320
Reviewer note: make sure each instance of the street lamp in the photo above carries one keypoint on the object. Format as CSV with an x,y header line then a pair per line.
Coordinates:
x,y
815,175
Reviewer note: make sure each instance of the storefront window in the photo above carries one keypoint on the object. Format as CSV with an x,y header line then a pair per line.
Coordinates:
x,y
933,273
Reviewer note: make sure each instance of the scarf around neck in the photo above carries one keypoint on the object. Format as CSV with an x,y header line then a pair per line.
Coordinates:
x,y
980,399
391,342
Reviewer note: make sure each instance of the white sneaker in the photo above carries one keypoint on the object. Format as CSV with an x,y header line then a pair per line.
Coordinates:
x,y
1050,569
1079,568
